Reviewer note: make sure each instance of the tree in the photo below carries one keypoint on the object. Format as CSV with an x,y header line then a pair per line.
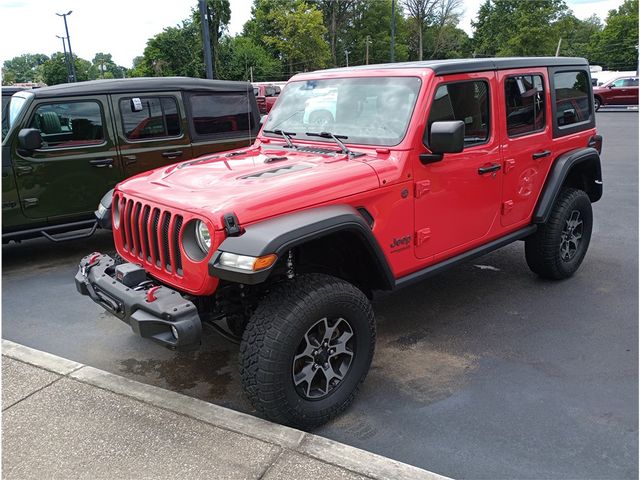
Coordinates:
x,y
300,39
446,37
54,70
104,67
616,47
24,68
174,51
517,28
337,15
240,56
421,14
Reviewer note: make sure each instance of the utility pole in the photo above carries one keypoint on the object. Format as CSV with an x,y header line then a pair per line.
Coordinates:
x,y
66,29
66,58
251,74
367,41
206,40
558,49
393,31
346,54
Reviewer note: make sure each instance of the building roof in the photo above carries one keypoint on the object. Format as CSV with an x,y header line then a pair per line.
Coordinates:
x,y
142,84
463,65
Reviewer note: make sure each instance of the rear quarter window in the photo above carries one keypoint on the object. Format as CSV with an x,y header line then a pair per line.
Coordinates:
x,y
221,114
572,101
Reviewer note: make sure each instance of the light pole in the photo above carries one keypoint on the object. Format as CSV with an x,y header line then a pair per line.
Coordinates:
x,y
393,31
367,42
346,54
66,28
66,59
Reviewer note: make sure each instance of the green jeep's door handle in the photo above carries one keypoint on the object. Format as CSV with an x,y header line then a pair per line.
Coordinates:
x,y
101,162
172,154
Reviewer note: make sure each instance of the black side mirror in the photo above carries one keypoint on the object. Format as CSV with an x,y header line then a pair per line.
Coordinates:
x,y
444,137
29,139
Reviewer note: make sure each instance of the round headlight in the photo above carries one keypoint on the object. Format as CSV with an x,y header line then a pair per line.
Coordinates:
x,y
203,236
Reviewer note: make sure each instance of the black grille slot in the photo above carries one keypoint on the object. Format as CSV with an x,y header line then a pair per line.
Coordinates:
x,y
176,244
135,230
166,218
154,233
144,236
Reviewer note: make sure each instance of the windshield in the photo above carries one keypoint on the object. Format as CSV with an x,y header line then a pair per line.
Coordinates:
x,y
11,111
367,111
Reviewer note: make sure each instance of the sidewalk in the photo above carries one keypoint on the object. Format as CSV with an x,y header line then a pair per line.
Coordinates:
x,y
62,419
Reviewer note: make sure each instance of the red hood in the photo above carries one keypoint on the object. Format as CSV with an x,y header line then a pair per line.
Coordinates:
x,y
251,186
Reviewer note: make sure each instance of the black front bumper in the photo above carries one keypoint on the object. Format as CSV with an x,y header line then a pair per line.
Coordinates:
x,y
164,317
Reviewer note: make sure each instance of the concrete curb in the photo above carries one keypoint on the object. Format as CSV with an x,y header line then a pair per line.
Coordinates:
x,y
335,453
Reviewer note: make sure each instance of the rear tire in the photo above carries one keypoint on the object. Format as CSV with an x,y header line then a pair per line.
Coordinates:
x,y
558,247
306,350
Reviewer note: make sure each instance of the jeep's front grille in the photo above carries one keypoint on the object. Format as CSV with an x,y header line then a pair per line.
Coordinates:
x,y
151,234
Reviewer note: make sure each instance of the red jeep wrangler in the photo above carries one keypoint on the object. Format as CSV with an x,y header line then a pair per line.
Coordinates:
x,y
422,166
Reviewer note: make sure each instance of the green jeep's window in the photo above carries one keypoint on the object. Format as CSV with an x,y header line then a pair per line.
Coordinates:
x,y
524,97
466,101
219,113
573,104
69,124
158,118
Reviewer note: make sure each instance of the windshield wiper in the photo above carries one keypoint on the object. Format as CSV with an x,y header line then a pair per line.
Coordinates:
x,y
335,138
286,135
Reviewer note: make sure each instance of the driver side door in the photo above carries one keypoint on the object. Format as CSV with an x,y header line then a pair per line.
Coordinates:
x,y
458,198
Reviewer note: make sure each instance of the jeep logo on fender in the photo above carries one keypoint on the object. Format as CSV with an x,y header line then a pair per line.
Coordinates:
x,y
400,243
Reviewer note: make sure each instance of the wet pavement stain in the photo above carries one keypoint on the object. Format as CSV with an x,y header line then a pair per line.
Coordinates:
x,y
186,371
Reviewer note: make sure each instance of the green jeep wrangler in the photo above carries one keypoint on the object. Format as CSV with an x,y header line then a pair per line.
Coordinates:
x,y
65,146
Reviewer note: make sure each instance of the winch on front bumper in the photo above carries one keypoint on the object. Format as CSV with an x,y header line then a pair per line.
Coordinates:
x,y
153,311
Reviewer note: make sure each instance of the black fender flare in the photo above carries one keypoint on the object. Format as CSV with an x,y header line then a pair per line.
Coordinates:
x,y
560,171
280,234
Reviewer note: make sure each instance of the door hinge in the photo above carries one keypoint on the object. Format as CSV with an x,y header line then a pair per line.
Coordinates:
x,y
507,207
422,236
422,188
509,164
29,202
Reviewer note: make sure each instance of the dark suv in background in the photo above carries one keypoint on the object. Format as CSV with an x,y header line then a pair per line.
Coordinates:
x,y
67,145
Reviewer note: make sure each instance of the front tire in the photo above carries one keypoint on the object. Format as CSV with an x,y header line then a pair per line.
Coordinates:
x,y
306,350
558,247
597,103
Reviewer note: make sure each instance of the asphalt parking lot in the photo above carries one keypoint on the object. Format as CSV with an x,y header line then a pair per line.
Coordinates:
x,y
482,372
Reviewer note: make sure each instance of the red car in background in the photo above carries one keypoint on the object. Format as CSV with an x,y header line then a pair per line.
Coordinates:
x,y
266,96
621,91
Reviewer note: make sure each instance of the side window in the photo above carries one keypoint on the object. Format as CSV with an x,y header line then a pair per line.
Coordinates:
x,y
466,101
69,124
619,82
572,98
631,82
221,113
158,118
524,96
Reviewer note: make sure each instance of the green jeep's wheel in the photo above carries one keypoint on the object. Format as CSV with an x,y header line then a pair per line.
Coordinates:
x,y
306,350
557,249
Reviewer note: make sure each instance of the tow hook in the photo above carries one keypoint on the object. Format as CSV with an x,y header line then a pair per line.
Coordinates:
x,y
151,297
93,261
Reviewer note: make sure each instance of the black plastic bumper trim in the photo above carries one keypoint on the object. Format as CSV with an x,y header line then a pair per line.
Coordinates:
x,y
153,320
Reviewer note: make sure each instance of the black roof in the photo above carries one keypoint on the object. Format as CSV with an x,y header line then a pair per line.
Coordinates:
x,y
10,90
141,84
463,65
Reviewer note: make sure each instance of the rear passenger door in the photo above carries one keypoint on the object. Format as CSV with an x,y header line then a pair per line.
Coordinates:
x,y
152,130
222,121
77,163
526,151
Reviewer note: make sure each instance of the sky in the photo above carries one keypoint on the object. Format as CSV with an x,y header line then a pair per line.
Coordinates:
x,y
122,27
